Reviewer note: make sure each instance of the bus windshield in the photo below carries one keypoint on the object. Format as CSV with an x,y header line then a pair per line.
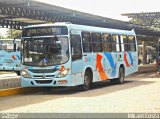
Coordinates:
x,y
45,51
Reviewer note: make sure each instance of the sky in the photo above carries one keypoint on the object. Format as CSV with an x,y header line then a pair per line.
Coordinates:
x,y
107,8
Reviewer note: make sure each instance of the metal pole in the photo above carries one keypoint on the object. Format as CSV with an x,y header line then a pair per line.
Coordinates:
x,y
158,58
143,53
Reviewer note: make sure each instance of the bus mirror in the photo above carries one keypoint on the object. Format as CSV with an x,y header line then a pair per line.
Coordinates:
x,y
14,47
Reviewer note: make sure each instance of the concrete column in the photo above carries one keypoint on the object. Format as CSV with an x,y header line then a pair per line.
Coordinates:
x,y
144,54
158,56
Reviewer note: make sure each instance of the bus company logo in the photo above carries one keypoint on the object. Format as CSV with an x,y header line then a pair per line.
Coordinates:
x,y
43,76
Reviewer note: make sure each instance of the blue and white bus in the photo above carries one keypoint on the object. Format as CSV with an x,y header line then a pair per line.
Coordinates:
x,y
65,54
10,55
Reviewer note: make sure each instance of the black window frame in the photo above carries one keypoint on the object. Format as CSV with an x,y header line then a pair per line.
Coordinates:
x,y
89,43
115,43
132,43
126,48
107,44
95,43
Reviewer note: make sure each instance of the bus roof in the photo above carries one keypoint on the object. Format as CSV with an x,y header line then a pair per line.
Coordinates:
x,y
85,28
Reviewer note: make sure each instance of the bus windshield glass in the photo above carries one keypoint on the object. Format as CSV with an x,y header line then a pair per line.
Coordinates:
x,y
45,51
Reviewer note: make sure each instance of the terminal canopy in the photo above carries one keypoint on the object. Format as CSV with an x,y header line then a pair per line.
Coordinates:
x,y
16,14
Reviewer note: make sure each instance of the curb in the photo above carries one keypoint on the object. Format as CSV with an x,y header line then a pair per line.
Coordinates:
x,y
9,83
18,90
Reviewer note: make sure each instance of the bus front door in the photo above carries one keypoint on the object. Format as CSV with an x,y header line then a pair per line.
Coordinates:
x,y
77,62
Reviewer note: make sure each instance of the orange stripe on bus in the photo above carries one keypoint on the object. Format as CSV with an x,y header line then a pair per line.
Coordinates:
x,y
100,68
125,60
61,69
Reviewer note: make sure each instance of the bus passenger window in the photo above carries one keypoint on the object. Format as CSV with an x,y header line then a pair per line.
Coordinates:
x,y
124,42
86,39
131,43
115,43
96,42
106,42
76,48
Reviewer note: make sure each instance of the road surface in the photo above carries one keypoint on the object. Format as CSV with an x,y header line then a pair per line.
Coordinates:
x,y
139,93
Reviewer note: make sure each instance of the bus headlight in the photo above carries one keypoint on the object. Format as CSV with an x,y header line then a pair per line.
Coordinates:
x,y
25,74
63,73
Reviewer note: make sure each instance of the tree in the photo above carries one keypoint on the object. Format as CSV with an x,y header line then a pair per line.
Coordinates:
x,y
12,33
136,21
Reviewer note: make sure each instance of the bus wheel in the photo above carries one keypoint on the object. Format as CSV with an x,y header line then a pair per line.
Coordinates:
x,y
120,79
18,73
87,81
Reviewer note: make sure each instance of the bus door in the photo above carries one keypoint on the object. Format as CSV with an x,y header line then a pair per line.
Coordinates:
x,y
116,55
133,53
128,46
76,54
125,55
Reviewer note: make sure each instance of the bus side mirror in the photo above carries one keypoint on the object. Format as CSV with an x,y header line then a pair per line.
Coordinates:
x,y
14,47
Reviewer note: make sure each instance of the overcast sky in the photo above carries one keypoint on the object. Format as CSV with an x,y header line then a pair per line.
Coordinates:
x,y
107,8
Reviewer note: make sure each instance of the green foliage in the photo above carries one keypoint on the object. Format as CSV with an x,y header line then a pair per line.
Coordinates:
x,y
12,33
136,21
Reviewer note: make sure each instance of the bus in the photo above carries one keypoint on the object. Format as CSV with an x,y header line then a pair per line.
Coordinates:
x,y
10,55
65,54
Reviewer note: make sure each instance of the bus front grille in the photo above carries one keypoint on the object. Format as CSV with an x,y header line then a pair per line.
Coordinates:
x,y
42,70
41,76
43,81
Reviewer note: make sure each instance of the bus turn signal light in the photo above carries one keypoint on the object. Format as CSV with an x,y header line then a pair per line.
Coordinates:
x,y
62,81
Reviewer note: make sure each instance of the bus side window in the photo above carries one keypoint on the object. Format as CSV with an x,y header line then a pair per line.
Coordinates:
x,y
124,42
96,42
86,39
115,43
76,48
106,42
131,43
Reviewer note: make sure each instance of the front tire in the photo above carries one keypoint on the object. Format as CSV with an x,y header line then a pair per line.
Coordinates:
x,y
87,81
18,73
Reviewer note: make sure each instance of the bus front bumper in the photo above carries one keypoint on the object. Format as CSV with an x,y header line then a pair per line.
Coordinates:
x,y
46,82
